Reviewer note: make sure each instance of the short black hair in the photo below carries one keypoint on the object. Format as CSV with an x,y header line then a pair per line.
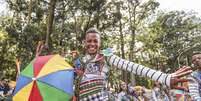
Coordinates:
x,y
195,53
92,30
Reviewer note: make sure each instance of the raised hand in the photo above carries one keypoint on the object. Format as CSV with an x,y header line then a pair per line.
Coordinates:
x,y
177,77
39,48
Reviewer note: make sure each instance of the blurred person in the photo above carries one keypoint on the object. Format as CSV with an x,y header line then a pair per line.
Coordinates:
x,y
6,87
1,89
195,78
156,92
123,95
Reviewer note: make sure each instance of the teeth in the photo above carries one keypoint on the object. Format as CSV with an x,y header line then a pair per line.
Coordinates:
x,y
91,47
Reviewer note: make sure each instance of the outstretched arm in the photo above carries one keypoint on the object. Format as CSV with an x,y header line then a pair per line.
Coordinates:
x,y
139,69
168,79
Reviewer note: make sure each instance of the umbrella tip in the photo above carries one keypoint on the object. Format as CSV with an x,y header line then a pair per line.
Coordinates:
x,y
34,79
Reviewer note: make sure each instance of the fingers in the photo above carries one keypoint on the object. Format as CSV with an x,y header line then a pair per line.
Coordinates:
x,y
39,48
74,53
180,69
186,68
180,88
175,81
181,80
183,69
17,61
181,74
40,44
79,72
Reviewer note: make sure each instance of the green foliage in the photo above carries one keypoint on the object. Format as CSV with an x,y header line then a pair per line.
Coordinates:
x,y
177,33
7,53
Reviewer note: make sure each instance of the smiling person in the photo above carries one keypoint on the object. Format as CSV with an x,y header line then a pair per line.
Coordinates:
x,y
195,78
95,65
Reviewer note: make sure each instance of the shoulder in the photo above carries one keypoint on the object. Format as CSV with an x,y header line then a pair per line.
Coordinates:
x,y
196,74
107,52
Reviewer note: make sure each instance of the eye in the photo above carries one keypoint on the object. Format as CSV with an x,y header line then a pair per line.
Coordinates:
x,y
95,41
88,41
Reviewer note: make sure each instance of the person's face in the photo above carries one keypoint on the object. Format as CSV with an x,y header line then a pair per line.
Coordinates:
x,y
196,60
123,86
92,43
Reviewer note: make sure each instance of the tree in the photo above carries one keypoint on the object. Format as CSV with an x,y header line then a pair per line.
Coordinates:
x,y
178,33
138,12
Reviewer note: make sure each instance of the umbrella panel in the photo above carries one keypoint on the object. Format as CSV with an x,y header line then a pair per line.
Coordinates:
x,y
50,93
62,80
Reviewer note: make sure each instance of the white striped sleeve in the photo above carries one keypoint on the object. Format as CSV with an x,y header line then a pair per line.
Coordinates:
x,y
139,70
194,89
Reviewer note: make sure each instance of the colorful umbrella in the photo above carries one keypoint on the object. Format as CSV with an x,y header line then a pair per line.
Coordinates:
x,y
46,78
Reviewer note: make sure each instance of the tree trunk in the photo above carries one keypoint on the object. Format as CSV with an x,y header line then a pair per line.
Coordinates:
x,y
125,73
30,11
63,17
121,39
75,30
132,43
50,20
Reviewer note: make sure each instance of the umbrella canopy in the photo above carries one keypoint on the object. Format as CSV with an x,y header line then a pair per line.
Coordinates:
x,y
46,78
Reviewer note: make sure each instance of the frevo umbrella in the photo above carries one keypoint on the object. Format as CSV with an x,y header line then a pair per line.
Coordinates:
x,y
46,78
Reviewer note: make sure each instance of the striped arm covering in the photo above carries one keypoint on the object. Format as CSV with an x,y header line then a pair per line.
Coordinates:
x,y
194,89
139,70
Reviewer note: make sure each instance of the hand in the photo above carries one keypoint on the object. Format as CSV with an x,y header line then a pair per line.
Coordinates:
x,y
176,77
79,72
74,53
17,62
39,48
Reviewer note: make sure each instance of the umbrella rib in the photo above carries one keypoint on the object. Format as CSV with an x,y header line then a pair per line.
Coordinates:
x,y
53,86
57,71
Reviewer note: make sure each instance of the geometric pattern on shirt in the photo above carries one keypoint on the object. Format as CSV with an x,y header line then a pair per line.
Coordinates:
x,y
91,87
99,96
